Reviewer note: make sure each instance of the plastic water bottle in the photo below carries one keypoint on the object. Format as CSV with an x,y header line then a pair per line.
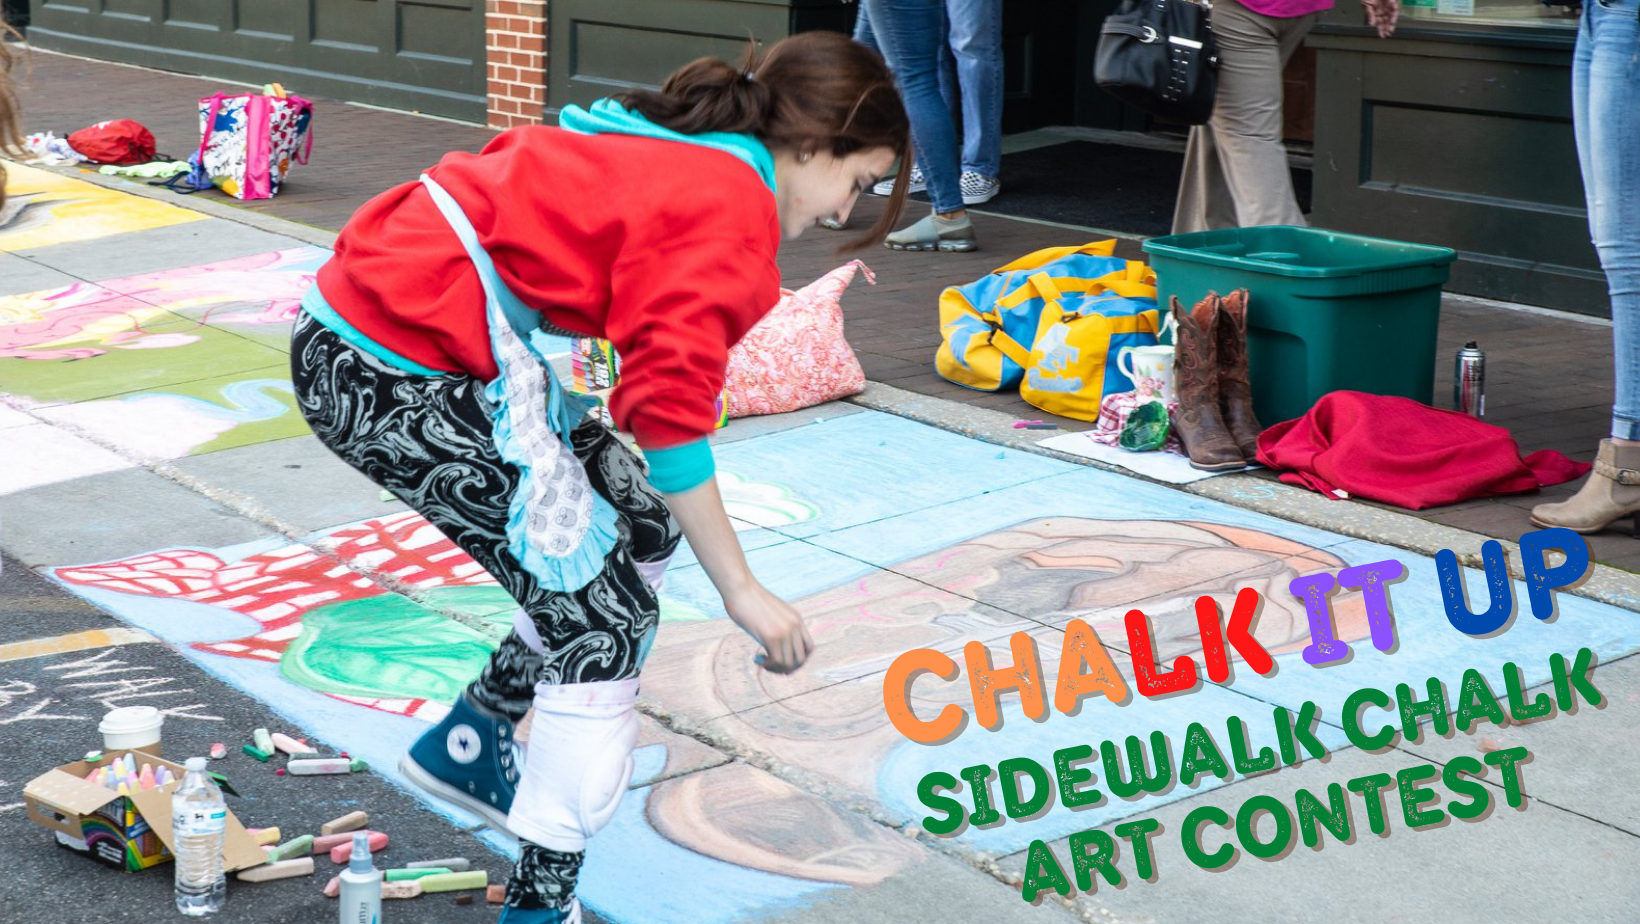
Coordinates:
x,y
199,826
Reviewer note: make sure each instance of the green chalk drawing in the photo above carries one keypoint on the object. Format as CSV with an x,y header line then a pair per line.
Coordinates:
x,y
394,648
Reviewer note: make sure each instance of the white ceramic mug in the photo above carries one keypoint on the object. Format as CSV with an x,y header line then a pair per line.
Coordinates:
x,y
1151,369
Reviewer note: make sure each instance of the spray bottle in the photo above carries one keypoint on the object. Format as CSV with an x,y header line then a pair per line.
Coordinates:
x,y
361,891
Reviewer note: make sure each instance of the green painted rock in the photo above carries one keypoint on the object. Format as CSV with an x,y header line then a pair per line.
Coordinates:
x,y
1146,428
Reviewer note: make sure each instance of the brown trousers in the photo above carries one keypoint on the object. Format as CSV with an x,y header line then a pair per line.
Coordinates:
x,y
1235,166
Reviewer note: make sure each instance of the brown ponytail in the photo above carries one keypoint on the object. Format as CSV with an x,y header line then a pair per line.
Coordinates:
x,y
813,91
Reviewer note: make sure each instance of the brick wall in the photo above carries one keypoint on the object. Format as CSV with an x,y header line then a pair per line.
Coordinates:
x,y
516,57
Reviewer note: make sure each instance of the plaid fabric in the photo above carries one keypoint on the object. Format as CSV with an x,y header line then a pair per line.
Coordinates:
x,y
1113,415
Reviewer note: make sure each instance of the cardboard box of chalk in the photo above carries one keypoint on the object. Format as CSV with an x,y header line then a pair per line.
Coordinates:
x,y
129,832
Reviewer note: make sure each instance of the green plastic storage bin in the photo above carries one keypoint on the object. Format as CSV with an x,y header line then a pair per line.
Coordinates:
x,y
1326,311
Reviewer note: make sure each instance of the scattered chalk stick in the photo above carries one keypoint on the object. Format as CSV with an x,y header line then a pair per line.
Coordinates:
x,y
290,745
464,898
453,864
455,882
1041,426
295,847
264,836
325,843
333,888
264,741
410,889
314,766
219,751
495,894
356,764
257,752
411,875
284,869
352,821
378,843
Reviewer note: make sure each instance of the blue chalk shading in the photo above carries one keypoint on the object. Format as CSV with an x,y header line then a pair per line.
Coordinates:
x,y
248,403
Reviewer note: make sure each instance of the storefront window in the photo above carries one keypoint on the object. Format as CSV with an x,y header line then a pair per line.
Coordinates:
x,y
1488,12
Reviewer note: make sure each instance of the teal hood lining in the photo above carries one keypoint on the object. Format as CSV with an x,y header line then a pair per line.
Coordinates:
x,y
608,117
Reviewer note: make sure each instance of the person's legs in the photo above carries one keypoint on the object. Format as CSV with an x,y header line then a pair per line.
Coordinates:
x,y
1609,149
976,45
578,652
1236,172
862,30
1606,123
910,33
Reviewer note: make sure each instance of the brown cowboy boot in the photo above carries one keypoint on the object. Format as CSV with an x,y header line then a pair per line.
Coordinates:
x,y
1611,493
1235,389
1196,381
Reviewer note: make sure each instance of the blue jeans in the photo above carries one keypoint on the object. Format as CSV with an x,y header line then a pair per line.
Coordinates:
x,y
1606,117
910,34
970,77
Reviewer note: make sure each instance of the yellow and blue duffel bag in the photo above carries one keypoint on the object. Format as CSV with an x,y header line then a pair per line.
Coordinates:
x,y
987,327
1071,366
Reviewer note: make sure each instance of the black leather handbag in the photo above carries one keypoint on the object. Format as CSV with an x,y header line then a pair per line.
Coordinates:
x,y
1160,56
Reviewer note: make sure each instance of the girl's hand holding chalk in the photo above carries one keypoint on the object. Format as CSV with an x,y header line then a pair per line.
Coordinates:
x,y
775,624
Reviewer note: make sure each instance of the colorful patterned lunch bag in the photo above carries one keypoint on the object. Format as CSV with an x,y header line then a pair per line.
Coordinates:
x,y
1072,363
987,327
249,141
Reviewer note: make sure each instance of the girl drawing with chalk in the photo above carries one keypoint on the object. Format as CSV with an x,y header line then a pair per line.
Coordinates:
x,y
652,221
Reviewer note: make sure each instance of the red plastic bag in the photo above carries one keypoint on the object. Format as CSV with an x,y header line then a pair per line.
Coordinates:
x,y
119,142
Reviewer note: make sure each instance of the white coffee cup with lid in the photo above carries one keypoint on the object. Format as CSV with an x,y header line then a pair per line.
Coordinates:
x,y
132,728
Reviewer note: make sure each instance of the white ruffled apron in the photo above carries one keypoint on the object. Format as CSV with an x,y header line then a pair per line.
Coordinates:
x,y
559,529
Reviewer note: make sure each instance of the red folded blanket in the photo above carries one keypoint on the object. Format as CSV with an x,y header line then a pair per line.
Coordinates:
x,y
1399,451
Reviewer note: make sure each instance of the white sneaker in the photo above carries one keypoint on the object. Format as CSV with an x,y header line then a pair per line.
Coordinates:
x,y
977,188
886,187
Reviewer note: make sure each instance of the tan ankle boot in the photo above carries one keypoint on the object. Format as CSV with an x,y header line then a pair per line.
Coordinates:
x,y
1199,422
1611,493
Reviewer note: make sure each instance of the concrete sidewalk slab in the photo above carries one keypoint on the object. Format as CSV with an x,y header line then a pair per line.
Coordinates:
x,y
1573,753
109,516
39,454
19,275
297,482
1455,871
154,249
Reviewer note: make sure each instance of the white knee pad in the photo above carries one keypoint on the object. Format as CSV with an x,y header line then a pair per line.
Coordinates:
x,y
580,762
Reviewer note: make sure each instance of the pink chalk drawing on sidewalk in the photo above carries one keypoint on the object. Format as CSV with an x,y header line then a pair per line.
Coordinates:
x,y
84,320
78,321
276,281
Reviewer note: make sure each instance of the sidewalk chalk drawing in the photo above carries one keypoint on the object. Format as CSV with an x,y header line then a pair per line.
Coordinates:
x,y
165,364
318,628
43,208
968,544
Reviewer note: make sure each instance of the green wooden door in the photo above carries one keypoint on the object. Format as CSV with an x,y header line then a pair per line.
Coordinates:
x,y
426,55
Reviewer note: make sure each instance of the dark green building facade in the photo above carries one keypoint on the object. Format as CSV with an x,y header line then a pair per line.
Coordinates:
x,y
1456,132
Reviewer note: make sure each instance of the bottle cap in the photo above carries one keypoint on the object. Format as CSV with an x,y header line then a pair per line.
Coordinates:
x,y
197,764
1471,345
359,860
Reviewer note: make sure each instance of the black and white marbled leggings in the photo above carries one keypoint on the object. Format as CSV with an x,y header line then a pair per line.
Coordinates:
x,y
428,440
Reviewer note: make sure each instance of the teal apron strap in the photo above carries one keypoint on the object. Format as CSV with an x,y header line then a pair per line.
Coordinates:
x,y
567,410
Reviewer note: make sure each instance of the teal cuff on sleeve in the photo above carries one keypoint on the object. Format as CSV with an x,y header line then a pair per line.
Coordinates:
x,y
675,470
